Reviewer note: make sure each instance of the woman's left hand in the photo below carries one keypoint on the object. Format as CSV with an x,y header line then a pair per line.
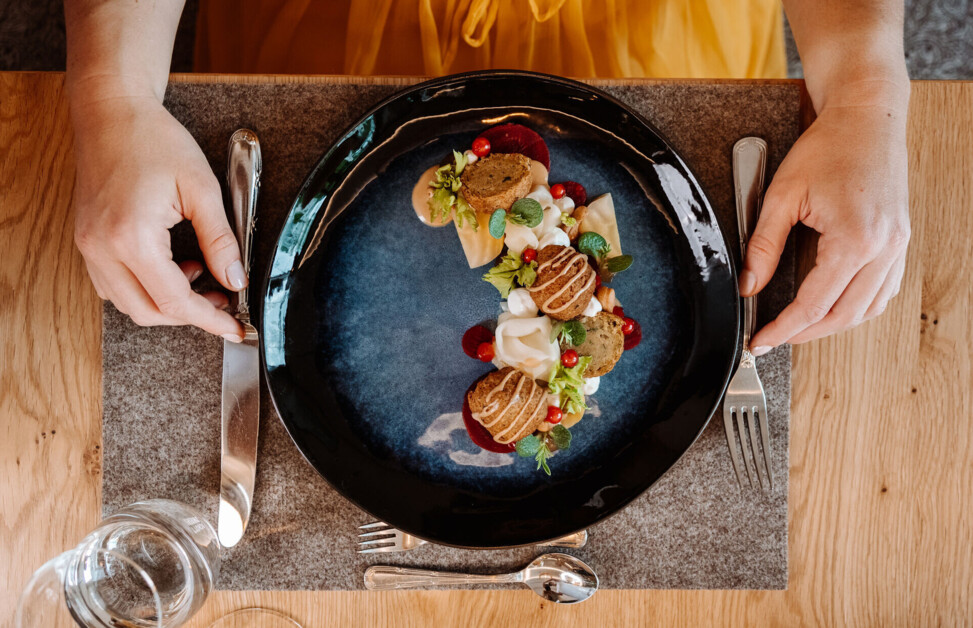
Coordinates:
x,y
846,178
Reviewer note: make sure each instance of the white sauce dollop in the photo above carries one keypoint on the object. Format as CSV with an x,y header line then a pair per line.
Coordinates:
x,y
591,385
593,307
565,204
521,304
525,344
519,238
554,236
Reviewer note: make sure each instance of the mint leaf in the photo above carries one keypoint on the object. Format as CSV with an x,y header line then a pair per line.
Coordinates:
x,y
561,436
568,220
510,271
591,243
498,223
526,212
528,446
619,263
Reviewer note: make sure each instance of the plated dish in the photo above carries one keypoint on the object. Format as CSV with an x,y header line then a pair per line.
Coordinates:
x,y
554,256
365,308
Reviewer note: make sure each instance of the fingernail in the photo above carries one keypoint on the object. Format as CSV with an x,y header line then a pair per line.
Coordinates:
x,y
196,273
236,276
759,351
232,338
748,281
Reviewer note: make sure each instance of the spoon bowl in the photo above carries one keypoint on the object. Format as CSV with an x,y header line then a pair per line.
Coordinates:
x,y
560,578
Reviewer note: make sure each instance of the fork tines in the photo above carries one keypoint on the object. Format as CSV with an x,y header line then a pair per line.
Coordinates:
x,y
749,420
380,537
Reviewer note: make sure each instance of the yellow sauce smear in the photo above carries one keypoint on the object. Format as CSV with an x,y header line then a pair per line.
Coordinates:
x,y
420,198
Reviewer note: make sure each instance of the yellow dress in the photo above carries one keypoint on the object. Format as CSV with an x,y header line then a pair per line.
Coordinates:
x,y
576,38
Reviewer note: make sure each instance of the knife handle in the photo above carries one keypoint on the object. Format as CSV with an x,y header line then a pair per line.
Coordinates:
x,y
243,167
749,164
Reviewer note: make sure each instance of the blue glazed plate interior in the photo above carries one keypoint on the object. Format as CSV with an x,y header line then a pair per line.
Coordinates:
x,y
394,297
365,307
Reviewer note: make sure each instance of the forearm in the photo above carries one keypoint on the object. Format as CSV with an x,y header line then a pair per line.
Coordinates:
x,y
119,48
851,51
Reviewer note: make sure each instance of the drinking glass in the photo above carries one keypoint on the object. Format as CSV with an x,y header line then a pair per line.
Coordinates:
x,y
255,618
150,565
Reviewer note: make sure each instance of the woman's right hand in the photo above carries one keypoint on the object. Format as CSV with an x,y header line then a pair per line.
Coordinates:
x,y
139,173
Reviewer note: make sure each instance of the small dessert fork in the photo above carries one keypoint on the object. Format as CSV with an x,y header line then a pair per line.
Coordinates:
x,y
745,402
381,537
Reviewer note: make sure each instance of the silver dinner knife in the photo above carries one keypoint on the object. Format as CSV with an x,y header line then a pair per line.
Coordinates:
x,y
241,361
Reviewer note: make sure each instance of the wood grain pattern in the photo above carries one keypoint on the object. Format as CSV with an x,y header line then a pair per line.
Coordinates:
x,y
50,330
882,439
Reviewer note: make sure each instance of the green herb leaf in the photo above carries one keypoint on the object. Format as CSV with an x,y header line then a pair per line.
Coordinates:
x,y
447,185
460,161
440,204
569,384
561,436
574,332
591,243
542,455
465,215
526,212
568,220
528,446
618,263
498,223
510,271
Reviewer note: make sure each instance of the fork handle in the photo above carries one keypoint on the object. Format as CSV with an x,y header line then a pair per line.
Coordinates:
x,y
749,164
388,578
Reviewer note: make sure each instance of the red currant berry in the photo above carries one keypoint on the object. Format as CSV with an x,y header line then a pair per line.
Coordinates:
x,y
633,339
484,353
557,190
553,415
618,311
569,358
481,147
628,326
529,255
473,337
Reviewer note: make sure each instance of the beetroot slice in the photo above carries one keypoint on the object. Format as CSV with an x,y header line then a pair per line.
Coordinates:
x,y
576,192
474,337
516,138
633,339
478,433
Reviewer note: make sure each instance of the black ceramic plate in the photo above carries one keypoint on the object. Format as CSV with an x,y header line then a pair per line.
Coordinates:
x,y
364,309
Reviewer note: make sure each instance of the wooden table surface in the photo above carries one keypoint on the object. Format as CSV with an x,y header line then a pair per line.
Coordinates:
x,y
881,472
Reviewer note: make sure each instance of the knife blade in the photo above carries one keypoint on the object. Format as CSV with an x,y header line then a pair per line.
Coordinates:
x,y
241,361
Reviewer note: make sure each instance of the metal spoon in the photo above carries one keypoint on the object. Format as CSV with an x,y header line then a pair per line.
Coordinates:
x,y
558,578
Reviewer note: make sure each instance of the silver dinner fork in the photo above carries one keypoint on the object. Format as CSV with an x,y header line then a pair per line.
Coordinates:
x,y
745,404
381,537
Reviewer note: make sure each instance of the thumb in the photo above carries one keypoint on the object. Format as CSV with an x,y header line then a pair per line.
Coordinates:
x,y
767,242
204,208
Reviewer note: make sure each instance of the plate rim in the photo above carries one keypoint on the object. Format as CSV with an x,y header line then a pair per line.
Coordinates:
x,y
301,200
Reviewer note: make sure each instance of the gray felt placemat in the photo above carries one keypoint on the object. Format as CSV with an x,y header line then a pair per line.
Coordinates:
x,y
694,529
